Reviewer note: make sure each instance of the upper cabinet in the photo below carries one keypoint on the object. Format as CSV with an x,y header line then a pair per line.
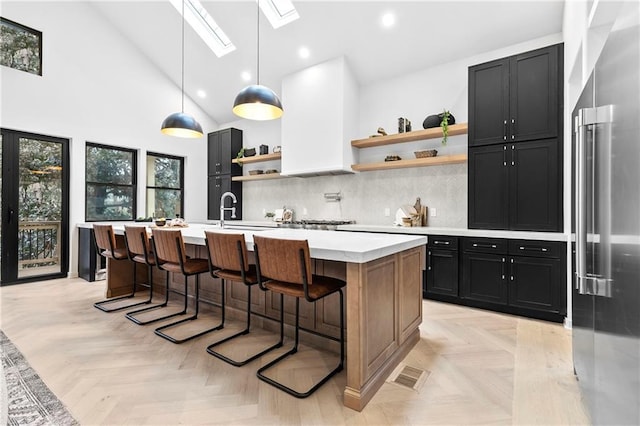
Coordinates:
x,y
516,98
320,119
222,147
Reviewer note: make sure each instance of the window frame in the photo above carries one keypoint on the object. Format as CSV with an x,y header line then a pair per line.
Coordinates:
x,y
133,186
172,157
33,31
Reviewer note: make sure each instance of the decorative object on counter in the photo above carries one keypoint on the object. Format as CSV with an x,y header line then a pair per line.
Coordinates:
x,y
426,153
179,123
270,171
277,149
161,221
255,172
269,215
264,149
144,219
422,211
333,196
408,216
287,215
392,158
249,152
178,222
404,125
444,120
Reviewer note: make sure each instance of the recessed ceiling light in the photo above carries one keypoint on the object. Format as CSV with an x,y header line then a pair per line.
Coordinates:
x,y
246,75
304,52
388,20
201,93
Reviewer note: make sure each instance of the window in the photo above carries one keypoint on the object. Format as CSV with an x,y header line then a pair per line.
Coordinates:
x,y
165,185
110,179
20,47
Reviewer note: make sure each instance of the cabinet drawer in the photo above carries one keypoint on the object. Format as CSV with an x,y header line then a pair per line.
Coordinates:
x,y
443,242
549,249
485,245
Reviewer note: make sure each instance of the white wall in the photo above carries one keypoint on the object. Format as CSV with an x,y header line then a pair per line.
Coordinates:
x,y
97,87
414,96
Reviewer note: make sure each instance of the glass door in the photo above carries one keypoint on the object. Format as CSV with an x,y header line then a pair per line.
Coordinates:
x,y
34,232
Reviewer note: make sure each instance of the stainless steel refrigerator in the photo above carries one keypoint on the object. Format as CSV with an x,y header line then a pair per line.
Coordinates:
x,y
606,227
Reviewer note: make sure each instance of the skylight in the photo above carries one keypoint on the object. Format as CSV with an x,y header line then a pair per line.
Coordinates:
x,y
278,12
204,25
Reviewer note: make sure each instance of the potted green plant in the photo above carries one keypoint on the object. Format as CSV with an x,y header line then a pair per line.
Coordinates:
x,y
444,125
239,156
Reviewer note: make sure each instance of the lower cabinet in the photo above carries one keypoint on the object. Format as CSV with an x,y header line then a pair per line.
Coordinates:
x,y
218,185
522,277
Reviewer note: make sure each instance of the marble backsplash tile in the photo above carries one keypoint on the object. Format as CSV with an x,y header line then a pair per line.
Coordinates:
x,y
365,196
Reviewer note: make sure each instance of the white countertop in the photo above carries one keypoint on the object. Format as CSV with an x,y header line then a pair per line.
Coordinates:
x,y
353,247
457,232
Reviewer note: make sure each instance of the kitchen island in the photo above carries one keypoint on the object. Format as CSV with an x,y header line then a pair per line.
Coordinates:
x,y
383,295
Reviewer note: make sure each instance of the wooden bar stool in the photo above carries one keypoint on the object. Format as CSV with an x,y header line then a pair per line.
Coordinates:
x,y
105,241
228,260
168,246
139,248
284,266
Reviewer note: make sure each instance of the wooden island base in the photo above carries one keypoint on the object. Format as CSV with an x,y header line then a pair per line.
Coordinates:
x,y
383,311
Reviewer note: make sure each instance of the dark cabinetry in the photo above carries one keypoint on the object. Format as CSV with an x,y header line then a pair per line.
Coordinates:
x,y
515,99
522,277
515,186
441,275
222,147
515,142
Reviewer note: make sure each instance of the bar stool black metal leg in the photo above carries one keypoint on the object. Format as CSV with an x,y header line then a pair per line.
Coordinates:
x,y
103,305
160,330
245,331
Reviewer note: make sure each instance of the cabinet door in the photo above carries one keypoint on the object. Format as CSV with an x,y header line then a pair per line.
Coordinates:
x,y
230,145
484,278
442,272
218,185
488,103
488,187
535,186
534,94
213,153
535,283
214,191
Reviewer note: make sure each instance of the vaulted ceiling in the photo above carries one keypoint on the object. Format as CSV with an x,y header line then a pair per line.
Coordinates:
x,y
426,33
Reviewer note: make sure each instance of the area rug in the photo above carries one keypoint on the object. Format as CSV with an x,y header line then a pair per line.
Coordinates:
x,y
25,399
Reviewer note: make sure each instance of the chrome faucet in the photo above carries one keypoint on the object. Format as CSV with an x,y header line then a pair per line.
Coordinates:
x,y
223,208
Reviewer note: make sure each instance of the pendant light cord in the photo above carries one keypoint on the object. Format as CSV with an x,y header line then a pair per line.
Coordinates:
x,y
258,38
183,56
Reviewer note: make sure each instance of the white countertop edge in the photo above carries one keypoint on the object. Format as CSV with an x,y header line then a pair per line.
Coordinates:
x,y
457,232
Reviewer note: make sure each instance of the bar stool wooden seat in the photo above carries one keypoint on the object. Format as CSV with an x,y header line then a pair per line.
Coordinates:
x,y
139,248
228,260
169,249
107,246
284,266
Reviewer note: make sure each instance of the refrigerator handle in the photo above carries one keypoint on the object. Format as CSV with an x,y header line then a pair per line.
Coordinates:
x,y
581,202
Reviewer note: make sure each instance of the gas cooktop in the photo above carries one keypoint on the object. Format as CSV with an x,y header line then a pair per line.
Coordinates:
x,y
325,224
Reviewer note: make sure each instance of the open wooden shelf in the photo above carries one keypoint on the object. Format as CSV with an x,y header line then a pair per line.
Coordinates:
x,y
264,176
257,158
436,132
417,162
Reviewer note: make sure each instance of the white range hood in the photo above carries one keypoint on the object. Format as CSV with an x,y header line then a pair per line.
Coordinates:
x,y
320,120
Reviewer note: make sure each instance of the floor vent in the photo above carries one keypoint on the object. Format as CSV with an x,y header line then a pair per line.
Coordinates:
x,y
409,377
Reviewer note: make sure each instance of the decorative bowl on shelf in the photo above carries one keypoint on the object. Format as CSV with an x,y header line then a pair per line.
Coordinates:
x,y
249,152
426,153
270,171
255,172
392,158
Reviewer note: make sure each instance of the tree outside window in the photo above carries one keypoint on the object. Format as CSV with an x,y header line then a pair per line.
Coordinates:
x,y
20,47
110,183
165,181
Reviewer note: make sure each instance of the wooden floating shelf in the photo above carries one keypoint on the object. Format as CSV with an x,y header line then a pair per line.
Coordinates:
x,y
436,132
263,176
417,162
257,158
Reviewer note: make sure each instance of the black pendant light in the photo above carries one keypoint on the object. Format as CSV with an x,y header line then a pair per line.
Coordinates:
x,y
257,102
179,123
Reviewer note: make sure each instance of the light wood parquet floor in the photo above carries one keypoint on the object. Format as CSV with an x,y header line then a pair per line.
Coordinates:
x,y
484,368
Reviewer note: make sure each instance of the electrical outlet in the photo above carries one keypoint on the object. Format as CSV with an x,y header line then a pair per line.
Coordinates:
x,y
433,212
304,211
387,212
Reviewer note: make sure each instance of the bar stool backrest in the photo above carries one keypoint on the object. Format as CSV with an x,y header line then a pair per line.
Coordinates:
x,y
284,260
223,251
105,238
137,240
166,248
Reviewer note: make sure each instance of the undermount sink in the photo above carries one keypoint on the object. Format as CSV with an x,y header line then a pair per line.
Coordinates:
x,y
242,228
